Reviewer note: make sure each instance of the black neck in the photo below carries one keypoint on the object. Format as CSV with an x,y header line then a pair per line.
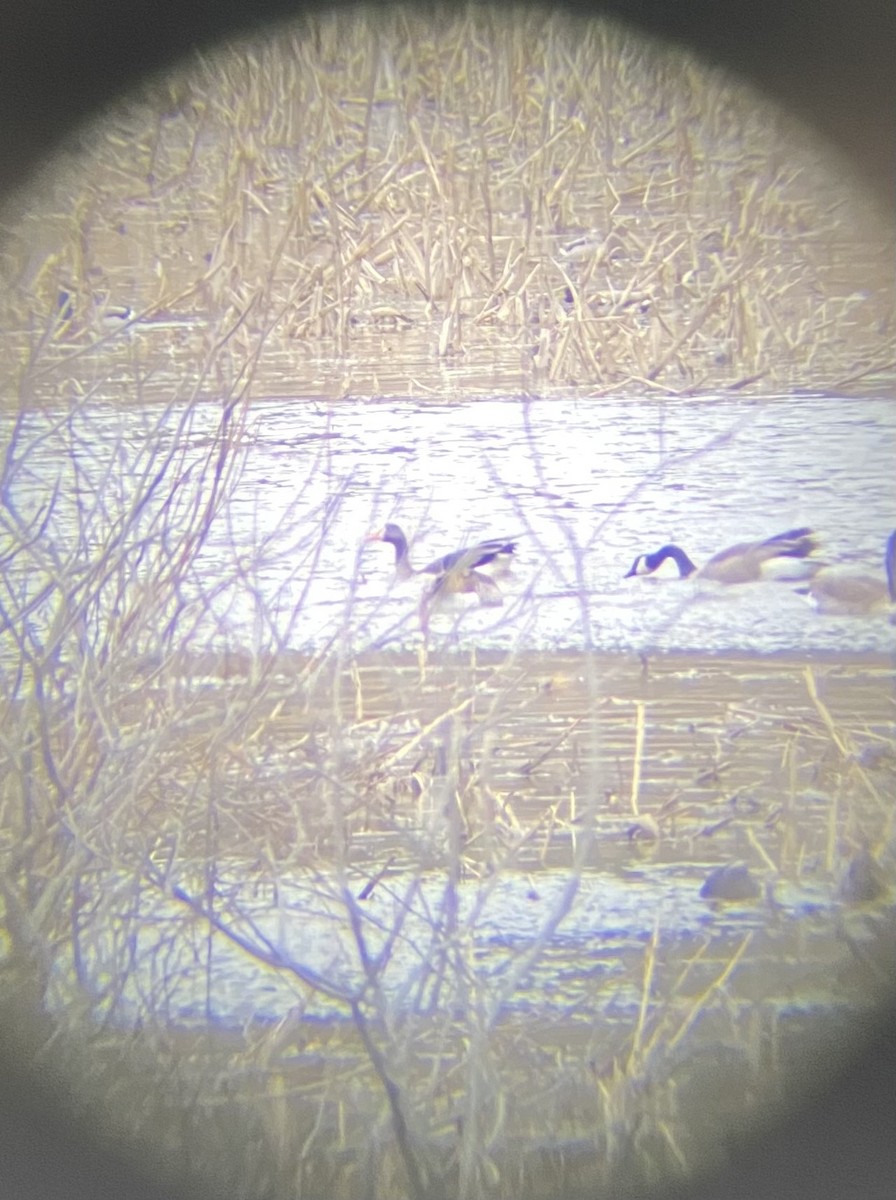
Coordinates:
x,y
681,560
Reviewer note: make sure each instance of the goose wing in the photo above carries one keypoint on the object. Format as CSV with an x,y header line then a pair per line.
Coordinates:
x,y
480,555
794,543
454,583
744,562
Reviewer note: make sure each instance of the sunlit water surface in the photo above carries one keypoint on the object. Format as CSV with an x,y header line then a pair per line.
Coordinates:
x,y
584,485
519,957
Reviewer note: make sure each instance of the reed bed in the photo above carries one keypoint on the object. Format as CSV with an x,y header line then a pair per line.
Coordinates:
x,y
398,203
348,761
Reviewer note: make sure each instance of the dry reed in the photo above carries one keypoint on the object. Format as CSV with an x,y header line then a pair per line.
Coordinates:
x,y
556,198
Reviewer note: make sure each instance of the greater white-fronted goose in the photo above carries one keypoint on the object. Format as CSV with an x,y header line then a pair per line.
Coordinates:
x,y
840,589
454,573
743,563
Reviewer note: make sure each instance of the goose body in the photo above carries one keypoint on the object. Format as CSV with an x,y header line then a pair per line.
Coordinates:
x,y
742,563
455,573
842,590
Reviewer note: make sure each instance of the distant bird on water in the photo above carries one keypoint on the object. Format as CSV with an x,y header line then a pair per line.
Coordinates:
x,y
742,563
842,590
455,573
731,882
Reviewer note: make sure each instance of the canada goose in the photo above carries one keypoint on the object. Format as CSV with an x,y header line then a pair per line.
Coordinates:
x,y
731,882
742,563
111,315
848,592
455,573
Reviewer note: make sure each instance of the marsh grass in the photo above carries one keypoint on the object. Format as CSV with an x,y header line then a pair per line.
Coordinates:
x,y
370,204
394,203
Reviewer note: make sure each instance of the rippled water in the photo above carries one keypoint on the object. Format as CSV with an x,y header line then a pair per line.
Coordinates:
x,y
585,485
413,929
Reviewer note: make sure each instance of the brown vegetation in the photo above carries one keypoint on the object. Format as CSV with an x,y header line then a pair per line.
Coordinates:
x,y
371,775
390,204
365,206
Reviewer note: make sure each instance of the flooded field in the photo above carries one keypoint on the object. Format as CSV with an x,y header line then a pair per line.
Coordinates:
x,y
499,875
